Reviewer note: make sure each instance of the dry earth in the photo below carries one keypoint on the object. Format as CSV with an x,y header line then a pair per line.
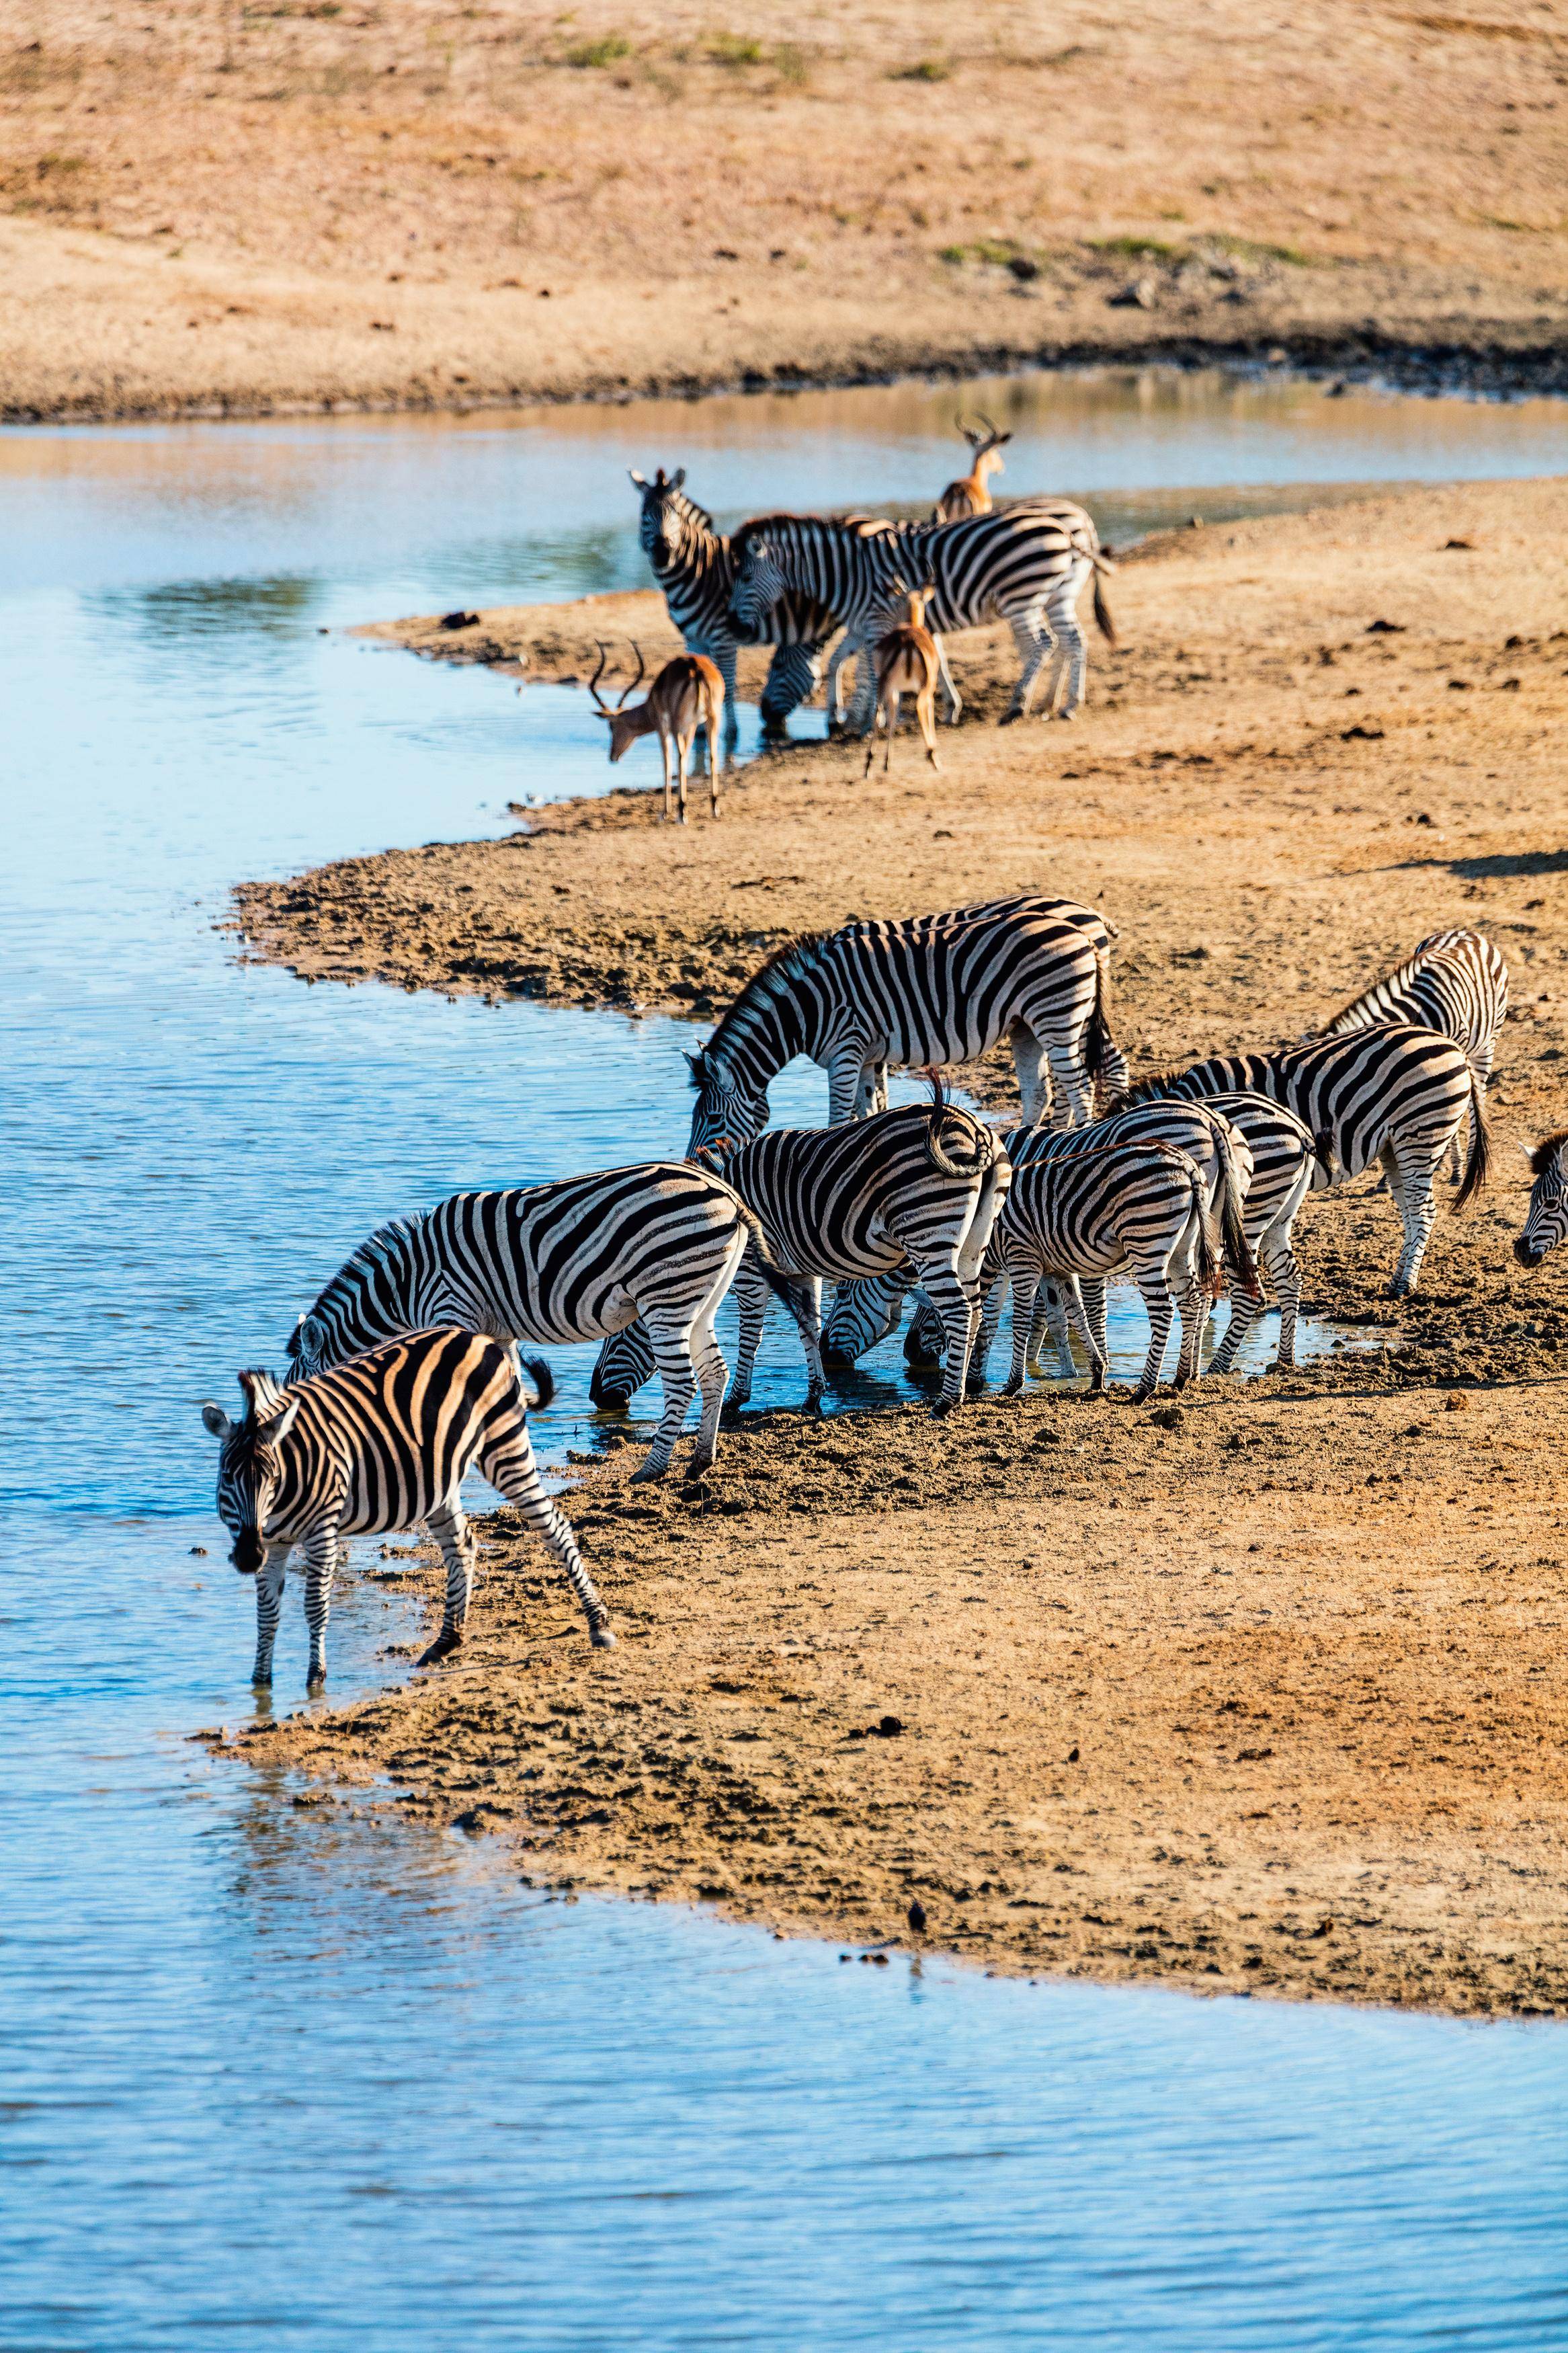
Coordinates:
x,y
263,204
1267,1693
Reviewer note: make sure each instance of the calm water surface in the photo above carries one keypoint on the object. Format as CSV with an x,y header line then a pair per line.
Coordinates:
x,y
301,2079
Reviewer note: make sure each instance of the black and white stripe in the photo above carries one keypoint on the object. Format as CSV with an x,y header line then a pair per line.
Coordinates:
x,y
913,1192
1079,1213
1546,1218
694,566
1455,983
550,1264
923,993
1025,564
381,1444
1396,1095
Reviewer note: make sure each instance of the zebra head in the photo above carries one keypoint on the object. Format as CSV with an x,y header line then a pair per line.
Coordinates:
x,y
667,517
251,1465
726,1113
759,584
864,1312
1546,1219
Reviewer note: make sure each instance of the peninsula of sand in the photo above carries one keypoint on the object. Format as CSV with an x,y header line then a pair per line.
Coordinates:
x,y
1262,1691
230,210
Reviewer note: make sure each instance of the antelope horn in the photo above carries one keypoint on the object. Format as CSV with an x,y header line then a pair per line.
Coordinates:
x,y
637,681
599,674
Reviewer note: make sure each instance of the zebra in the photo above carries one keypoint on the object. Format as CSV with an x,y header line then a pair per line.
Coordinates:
x,y
1024,563
694,566
375,1447
1086,1210
914,1188
1395,1093
924,992
1457,983
555,1263
1546,1218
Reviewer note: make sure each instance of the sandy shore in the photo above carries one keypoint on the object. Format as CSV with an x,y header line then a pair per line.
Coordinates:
x,y
237,211
1268,1694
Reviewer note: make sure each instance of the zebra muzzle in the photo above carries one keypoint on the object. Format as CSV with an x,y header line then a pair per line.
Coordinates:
x,y
246,1555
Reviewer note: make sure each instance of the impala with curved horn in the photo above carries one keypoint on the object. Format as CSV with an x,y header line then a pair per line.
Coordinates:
x,y
688,693
970,494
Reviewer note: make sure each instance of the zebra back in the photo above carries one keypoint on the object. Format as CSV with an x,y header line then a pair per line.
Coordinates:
x,y
1456,982
1081,1211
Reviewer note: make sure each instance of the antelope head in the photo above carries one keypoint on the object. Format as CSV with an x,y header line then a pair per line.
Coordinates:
x,y
625,725
986,442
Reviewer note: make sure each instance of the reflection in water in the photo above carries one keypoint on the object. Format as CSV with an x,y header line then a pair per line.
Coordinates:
x,y
297,2077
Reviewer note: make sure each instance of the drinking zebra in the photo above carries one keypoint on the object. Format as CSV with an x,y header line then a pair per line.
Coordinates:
x,y
923,993
1025,565
917,1188
1394,1093
1086,1210
1455,983
375,1447
694,566
1546,1218
553,1263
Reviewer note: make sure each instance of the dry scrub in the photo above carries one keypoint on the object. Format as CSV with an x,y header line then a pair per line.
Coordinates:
x,y
257,207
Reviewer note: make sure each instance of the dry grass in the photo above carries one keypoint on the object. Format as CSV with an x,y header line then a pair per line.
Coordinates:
x,y
255,204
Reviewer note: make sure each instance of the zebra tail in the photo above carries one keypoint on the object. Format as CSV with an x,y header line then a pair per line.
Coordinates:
x,y
1102,619
543,1381
1098,1043
1323,1153
1238,1250
984,1140
1210,1266
1479,1166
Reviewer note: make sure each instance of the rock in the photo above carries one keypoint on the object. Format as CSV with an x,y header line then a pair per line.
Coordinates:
x,y
1023,268
916,1917
460,620
199,1552
1138,295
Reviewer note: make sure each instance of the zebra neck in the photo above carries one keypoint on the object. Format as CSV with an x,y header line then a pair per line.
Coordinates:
x,y
762,1030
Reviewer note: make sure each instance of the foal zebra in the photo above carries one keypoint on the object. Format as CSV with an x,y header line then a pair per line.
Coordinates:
x,y
1086,1209
918,1187
372,1448
1024,563
923,993
1394,1093
1455,983
555,1263
694,566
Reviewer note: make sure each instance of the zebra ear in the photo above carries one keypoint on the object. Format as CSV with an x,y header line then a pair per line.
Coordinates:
x,y
678,479
215,1420
694,1064
640,482
277,1429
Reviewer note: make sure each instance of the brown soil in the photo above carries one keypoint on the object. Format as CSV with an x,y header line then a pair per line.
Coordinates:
x,y
1265,1694
314,204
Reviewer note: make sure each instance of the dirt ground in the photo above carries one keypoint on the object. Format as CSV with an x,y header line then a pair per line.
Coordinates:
x,y
243,207
1263,1691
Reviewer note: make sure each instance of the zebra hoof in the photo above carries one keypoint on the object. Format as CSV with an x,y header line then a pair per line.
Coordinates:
x,y
648,1473
1008,717
1013,1386
600,1637
441,1648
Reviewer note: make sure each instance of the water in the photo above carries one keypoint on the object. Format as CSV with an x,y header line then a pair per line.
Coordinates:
x,y
303,2079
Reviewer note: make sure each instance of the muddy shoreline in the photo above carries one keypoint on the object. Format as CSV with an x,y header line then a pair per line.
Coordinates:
x,y
1267,1694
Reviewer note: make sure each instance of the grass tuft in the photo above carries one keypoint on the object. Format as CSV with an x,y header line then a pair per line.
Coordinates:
x,y
734,49
606,52
923,69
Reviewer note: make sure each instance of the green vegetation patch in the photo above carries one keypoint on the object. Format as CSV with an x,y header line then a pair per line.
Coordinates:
x,y
923,69
608,52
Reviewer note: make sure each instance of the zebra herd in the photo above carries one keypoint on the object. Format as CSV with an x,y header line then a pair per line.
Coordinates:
x,y
407,1371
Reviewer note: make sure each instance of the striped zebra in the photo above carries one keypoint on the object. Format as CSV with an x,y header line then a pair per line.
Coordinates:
x,y
923,993
375,1447
1394,1093
694,566
917,1188
550,1264
1025,565
1455,983
1083,1212
1546,1218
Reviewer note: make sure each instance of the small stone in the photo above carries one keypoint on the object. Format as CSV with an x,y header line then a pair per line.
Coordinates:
x,y
1072,1756
916,1917
1455,1402
199,1552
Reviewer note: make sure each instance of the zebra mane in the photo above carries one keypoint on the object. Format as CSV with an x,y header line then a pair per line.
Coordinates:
x,y
381,1247
698,513
1150,1090
771,983
1400,977
1540,1159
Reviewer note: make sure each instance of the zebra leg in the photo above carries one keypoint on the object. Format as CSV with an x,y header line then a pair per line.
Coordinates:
x,y
673,1358
870,1092
751,1305
713,1378
320,1560
1033,1088
924,1340
950,695
1072,645
1156,1293
448,1526
1072,1103
724,657
1279,1261
269,1580
1051,1316
1031,641
1083,1314
515,1473
1410,1182
1245,1313
952,1302
1194,1307
847,1086
1026,1280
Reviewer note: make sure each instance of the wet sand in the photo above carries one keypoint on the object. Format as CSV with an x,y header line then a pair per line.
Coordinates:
x,y
1267,1694
248,211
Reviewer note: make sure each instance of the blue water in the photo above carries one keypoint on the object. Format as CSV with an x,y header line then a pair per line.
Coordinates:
x,y
274,2078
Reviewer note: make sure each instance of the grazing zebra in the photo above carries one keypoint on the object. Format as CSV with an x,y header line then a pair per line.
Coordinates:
x,y
694,566
1393,1094
553,1263
372,1448
1546,1218
1025,565
1455,983
1086,1209
915,1189
923,993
